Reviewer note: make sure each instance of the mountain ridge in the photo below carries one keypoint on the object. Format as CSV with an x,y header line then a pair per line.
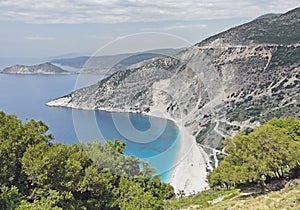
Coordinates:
x,y
260,31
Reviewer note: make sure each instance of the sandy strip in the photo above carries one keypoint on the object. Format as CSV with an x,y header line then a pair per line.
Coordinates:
x,y
189,174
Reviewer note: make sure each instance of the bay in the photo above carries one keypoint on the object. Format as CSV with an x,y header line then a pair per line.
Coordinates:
x,y
149,138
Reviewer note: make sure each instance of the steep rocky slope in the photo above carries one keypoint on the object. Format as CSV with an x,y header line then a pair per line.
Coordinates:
x,y
45,68
234,80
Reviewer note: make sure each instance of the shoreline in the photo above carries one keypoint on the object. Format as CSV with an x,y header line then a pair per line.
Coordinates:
x,y
189,173
190,166
190,169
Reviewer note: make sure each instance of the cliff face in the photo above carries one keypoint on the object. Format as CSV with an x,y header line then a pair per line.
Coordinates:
x,y
45,68
237,79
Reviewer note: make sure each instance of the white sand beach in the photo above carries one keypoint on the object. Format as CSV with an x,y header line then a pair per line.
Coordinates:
x,y
189,173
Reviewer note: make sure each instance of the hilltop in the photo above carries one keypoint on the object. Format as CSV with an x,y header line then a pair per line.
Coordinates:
x,y
269,29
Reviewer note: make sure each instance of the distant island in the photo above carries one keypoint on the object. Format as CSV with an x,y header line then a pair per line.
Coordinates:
x,y
44,68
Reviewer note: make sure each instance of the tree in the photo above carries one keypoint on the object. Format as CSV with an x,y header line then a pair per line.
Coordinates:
x,y
36,174
111,156
15,137
269,151
69,171
291,125
10,198
161,191
132,196
49,202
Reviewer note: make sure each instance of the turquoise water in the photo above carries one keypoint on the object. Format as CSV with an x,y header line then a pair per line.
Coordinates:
x,y
26,95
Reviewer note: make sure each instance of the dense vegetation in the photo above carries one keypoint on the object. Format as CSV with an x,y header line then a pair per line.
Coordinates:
x,y
266,159
37,174
271,151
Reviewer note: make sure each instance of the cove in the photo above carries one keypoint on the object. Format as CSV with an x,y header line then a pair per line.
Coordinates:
x,y
26,95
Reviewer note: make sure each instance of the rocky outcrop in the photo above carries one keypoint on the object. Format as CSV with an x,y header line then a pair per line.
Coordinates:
x,y
45,68
234,80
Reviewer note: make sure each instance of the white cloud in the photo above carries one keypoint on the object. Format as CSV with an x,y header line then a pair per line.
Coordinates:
x,y
175,27
114,11
101,37
185,26
40,38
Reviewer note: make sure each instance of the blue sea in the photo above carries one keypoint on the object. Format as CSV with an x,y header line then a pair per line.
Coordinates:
x,y
149,138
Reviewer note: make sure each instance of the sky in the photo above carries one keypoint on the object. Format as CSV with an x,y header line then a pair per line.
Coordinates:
x,y
34,28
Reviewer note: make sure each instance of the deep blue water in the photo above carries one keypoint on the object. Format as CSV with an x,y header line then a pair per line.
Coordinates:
x,y
149,138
